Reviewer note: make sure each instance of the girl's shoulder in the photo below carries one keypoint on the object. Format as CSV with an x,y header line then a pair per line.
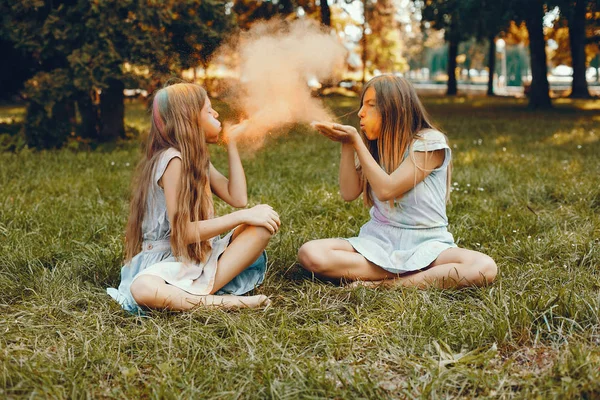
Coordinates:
x,y
169,154
163,160
430,140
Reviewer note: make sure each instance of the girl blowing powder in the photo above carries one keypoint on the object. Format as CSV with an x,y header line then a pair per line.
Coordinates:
x,y
403,171
175,258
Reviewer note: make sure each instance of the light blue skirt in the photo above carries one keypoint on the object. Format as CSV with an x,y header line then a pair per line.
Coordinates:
x,y
156,258
401,250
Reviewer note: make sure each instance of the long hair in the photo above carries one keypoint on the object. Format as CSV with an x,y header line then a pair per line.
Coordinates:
x,y
403,117
175,123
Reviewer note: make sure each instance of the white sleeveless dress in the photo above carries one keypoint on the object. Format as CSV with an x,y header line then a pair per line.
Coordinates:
x,y
156,257
410,235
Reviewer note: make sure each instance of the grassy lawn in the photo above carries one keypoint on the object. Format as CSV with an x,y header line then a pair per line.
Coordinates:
x,y
526,192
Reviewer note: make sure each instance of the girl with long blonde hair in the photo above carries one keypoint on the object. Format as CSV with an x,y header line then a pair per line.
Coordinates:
x,y
402,165
175,257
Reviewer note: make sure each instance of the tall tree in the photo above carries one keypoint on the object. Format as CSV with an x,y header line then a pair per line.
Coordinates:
x,y
84,46
532,13
578,14
491,18
325,12
455,18
577,35
579,88
384,47
15,73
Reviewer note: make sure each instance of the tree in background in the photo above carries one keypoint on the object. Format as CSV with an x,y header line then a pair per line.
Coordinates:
x,y
249,11
15,73
471,55
575,35
491,18
576,17
84,47
456,18
532,13
518,60
384,46
253,10
415,37
595,63
325,12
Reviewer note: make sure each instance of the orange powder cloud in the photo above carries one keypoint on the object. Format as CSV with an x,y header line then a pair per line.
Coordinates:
x,y
276,60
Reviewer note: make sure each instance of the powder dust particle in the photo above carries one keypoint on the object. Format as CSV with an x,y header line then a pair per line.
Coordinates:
x,y
276,60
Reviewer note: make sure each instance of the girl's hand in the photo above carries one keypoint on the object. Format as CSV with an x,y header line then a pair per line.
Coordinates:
x,y
262,215
233,132
337,132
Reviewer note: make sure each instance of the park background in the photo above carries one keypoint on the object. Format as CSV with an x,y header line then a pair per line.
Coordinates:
x,y
510,82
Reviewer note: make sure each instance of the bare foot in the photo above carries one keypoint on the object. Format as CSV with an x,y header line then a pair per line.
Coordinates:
x,y
257,301
234,302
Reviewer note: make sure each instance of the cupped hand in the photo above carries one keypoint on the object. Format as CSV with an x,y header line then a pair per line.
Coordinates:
x,y
235,131
263,215
336,132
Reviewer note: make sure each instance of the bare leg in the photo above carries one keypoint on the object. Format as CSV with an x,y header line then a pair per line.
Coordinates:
x,y
152,291
454,268
247,243
336,258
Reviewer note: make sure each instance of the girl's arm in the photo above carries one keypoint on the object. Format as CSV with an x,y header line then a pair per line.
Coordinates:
x,y
349,179
233,190
386,186
196,231
350,182
410,172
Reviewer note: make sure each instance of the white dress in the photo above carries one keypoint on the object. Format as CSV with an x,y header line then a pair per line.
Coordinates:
x,y
410,235
156,257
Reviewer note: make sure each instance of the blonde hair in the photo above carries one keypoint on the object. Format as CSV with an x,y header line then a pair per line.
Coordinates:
x,y
403,117
175,123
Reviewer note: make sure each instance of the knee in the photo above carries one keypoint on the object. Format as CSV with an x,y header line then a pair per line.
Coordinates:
x,y
143,291
487,269
261,232
308,257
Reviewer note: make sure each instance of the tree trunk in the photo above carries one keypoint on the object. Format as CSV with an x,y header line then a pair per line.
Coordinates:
x,y
491,65
579,88
112,111
452,53
540,89
89,116
325,13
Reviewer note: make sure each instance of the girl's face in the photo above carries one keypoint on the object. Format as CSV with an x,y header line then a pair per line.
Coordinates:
x,y
209,122
370,117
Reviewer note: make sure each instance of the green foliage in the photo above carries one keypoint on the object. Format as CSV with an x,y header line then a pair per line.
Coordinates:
x,y
525,192
384,46
455,17
81,47
249,11
46,128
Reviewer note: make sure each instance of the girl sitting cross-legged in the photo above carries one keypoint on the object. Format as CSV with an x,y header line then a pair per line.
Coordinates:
x,y
175,257
401,165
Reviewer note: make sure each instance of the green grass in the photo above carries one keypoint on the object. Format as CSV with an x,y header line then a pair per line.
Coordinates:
x,y
526,192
